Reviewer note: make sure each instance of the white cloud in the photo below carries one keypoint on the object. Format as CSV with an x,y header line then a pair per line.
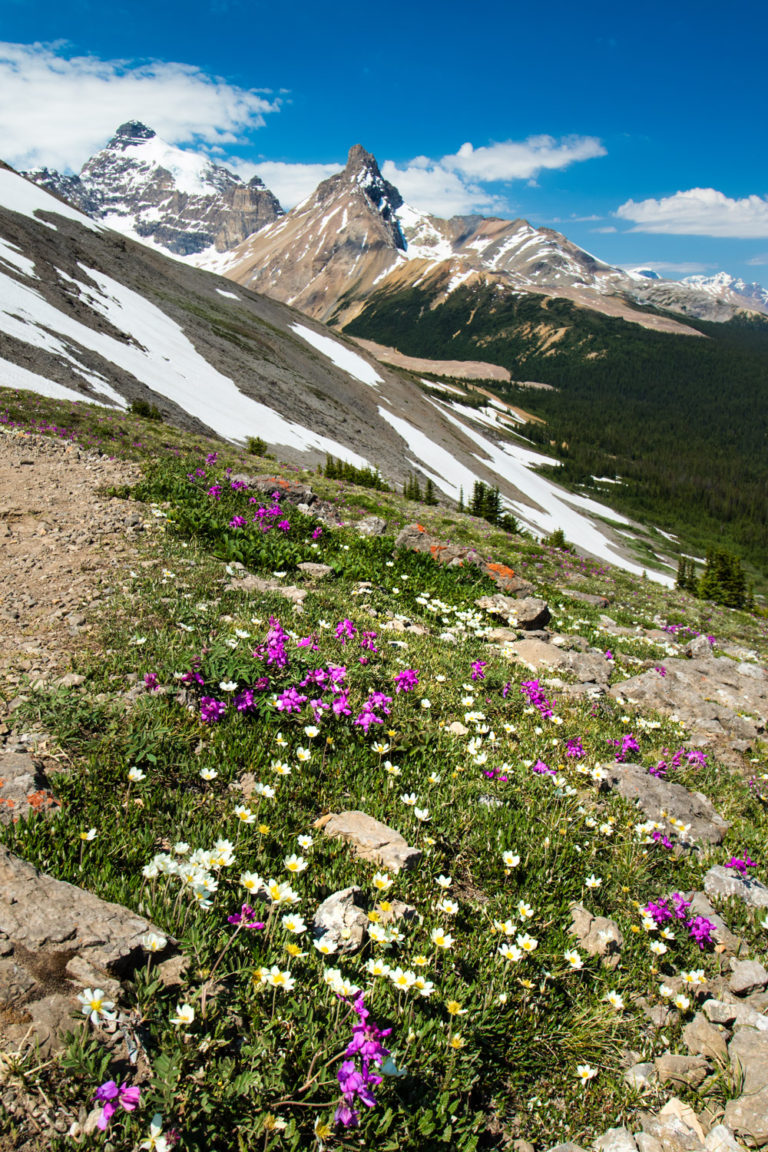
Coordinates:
x,y
699,212
57,109
760,259
453,184
291,183
682,268
522,159
431,188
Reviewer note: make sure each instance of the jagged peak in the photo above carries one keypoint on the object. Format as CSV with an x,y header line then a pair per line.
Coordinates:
x,y
132,132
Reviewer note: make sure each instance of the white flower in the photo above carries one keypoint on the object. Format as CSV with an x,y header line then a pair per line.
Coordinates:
x,y
293,923
155,1142
425,704
615,1000
511,859
443,881
94,1005
441,939
208,773
278,979
305,841
228,685
527,943
682,1002
449,907
153,942
409,798
89,835
593,881
524,910
421,814
251,881
585,1073
244,813
402,979
294,863
326,945
185,1014
382,881
658,948
376,967
574,959
136,774
511,952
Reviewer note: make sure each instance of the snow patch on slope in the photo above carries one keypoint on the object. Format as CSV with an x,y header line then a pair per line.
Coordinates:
x,y
24,197
342,357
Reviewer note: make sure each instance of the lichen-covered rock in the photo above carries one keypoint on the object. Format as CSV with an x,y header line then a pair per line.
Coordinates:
x,y
342,920
660,798
747,976
24,788
720,881
597,935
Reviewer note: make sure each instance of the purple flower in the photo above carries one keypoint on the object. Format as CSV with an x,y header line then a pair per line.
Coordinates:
x,y
661,670
534,695
284,525
345,630
245,917
215,492
740,864
317,533
575,748
477,669
152,682
211,710
543,769
701,930
238,522
109,1095
291,701
406,680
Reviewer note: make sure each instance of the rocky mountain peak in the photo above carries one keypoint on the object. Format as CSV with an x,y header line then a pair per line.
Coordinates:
x,y
132,132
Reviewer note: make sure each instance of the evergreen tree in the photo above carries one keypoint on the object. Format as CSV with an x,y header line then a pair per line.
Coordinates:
x,y
429,492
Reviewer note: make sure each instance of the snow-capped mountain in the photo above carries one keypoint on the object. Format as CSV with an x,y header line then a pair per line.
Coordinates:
x,y
179,201
87,315
732,290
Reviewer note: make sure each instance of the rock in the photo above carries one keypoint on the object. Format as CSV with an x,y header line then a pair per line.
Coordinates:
x,y
747,976
72,679
415,538
698,648
703,1039
24,788
342,919
712,696
529,613
314,571
748,1118
721,1139
261,584
291,490
522,1146
456,728
720,881
749,1059
585,597
371,526
647,1143
568,1146
370,839
59,935
688,1071
741,1014
616,1140
598,935
588,667
658,797
501,636
641,1076
674,1132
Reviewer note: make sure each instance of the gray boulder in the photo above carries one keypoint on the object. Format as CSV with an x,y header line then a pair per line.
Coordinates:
x,y
657,797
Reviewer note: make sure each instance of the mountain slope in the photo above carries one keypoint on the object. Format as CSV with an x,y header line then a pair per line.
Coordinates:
x,y
172,198
86,313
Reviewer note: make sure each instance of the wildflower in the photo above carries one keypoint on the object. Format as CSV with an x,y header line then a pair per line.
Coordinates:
x,y
527,943
376,967
524,910
511,859
281,893
574,959
382,881
244,918
228,685
244,813
505,926
449,907
208,773
403,979
434,778
153,942
135,775
279,979
109,1096
420,961
694,977
457,1041
94,1005
740,865
585,1073
326,945
615,1000
185,1014
424,987
406,680
425,703
681,1002
441,939
251,881
409,798
155,1142
305,841
421,814
593,881
294,863
658,948
89,835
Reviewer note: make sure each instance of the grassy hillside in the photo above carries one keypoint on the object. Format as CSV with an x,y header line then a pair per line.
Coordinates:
x,y
682,420
498,1028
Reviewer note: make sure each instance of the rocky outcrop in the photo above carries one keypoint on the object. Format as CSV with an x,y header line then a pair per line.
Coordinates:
x,y
660,799
370,839
56,938
24,787
716,697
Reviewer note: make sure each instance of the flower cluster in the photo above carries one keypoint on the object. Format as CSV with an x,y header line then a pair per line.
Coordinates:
x,y
676,908
534,694
355,1083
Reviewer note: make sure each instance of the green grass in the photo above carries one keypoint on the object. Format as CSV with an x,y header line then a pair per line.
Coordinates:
x,y
255,1057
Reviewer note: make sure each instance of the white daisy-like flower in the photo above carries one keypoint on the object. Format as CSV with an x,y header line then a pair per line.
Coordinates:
x,y
185,1014
615,1000
136,774
574,959
585,1073
511,859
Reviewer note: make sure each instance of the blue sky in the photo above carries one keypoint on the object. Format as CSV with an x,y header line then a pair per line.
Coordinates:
x,y
586,118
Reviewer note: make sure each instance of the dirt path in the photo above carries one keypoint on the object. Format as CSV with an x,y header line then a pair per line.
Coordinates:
x,y
60,542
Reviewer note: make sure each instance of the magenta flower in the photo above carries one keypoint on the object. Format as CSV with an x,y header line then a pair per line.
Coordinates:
x,y
152,681
740,865
211,710
477,669
109,1095
245,917
406,680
